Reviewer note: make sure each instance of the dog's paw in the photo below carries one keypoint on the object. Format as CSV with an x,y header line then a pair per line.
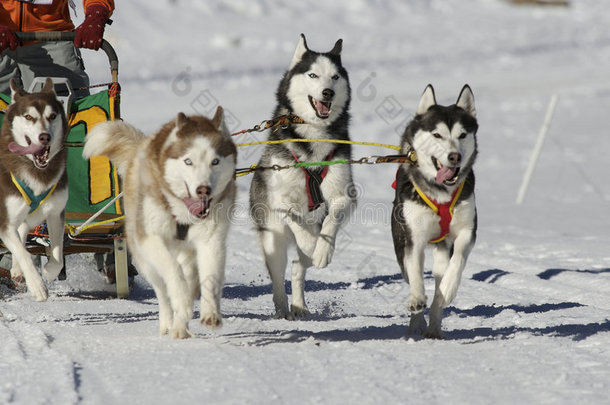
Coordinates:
x,y
433,333
417,324
417,304
322,253
165,323
180,333
211,320
16,273
299,311
51,270
284,314
38,290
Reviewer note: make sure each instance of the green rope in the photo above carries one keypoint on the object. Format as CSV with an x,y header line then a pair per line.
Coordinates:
x,y
324,163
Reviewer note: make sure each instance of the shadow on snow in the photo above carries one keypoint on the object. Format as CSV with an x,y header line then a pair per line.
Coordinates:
x,y
246,292
550,273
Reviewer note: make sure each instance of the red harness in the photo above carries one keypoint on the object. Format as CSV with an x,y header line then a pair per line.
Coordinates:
x,y
313,180
444,210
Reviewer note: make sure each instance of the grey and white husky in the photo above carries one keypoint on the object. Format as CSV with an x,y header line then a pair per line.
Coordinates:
x,y
306,206
434,204
33,180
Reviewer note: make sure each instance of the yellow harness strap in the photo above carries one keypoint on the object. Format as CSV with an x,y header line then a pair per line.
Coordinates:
x,y
444,211
34,201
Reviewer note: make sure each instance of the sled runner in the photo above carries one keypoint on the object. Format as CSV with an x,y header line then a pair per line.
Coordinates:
x,y
93,212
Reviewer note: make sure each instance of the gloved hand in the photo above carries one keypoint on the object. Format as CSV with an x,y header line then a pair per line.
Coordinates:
x,y
8,39
91,32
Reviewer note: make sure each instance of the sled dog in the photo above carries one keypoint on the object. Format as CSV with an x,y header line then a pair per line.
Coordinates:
x,y
33,181
304,205
435,204
179,188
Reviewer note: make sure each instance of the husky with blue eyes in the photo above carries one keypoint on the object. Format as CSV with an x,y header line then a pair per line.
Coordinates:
x,y
306,206
179,191
434,205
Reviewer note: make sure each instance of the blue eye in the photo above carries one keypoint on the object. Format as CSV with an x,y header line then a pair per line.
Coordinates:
x,y
215,162
188,162
313,75
335,77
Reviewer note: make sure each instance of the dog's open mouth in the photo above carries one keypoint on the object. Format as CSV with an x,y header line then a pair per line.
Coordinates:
x,y
200,208
322,108
41,160
444,174
39,152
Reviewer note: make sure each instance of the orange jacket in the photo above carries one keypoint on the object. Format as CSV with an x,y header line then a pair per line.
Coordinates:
x,y
27,17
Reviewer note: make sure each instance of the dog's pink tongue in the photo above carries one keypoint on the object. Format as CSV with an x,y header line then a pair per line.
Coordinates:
x,y
195,206
445,173
322,108
31,149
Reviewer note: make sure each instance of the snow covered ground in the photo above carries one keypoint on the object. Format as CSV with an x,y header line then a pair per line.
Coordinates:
x,y
530,323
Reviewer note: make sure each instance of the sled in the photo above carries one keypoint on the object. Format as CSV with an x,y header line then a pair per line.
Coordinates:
x,y
93,212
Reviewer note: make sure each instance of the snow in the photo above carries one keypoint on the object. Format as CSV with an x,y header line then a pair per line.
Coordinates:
x,y
530,321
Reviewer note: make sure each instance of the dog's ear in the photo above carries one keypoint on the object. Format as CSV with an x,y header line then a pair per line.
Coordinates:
x,y
427,100
466,101
16,90
337,48
48,86
219,122
299,51
181,120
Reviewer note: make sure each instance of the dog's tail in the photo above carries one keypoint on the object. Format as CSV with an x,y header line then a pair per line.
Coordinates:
x,y
117,140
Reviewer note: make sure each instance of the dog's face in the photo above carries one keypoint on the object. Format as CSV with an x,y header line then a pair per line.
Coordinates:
x,y
318,89
199,161
445,140
38,124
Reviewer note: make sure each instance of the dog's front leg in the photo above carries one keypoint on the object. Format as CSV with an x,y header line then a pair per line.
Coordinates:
x,y
188,262
299,267
448,281
166,266
305,234
16,272
451,279
55,224
441,263
338,213
414,267
211,260
35,284
274,245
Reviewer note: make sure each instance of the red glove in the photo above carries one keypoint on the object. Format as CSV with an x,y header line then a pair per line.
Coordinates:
x,y
8,39
91,32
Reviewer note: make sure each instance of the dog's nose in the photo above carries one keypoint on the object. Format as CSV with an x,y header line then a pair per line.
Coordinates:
x,y
44,138
203,191
455,158
328,94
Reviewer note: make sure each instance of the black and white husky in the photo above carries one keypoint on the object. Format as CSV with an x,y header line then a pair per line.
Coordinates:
x,y
304,205
33,180
435,203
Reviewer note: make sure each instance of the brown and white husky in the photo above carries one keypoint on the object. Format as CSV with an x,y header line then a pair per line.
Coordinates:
x,y
179,188
33,181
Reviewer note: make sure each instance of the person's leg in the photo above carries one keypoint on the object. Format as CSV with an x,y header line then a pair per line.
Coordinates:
x,y
53,59
8,70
